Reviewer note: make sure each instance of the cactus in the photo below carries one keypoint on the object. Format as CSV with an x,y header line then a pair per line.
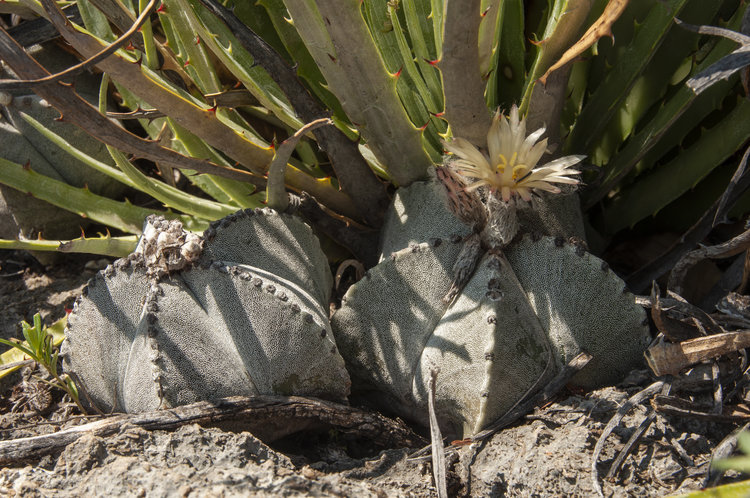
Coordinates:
x,y
241,310
525,311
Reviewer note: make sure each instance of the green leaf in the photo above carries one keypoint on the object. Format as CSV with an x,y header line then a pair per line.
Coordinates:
x,y
667,182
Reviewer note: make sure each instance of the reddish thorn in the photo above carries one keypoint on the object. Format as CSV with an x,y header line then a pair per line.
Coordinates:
x,y
130,46
483,14
187,63
424,126
139,61
27,166
397,74
60,119
332,57
197,40
68,311
213,108
537,43
161,8
438,114
237,85
433,62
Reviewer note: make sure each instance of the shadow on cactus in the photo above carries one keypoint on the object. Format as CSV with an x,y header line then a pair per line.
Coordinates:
x,y
476,271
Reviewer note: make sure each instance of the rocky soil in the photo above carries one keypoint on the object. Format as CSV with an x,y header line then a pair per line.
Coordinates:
x,y
548,453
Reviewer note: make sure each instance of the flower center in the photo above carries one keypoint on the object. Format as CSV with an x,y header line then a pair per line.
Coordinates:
x,y
518,171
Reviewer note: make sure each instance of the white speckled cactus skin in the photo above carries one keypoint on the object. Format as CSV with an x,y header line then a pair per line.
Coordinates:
x,y
527,309
249,316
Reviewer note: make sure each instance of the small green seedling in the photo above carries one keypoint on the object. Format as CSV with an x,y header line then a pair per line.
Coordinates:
x,y
40,346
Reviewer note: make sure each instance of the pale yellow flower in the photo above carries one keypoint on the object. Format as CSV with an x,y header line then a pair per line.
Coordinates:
x,y
510,167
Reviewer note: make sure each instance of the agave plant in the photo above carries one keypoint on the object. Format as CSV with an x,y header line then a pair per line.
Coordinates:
x,y
213,90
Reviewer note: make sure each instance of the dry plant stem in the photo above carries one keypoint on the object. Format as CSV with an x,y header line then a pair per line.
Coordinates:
x,y
679,407
670,358
632,441
100,56
276,196
725,250
717,390
436,438
615,421
258,409
354,175
76,110
465,108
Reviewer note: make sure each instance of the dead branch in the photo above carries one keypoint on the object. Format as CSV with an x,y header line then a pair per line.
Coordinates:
x,y
265,416
673,405
670,358
615,421
91,61
730,248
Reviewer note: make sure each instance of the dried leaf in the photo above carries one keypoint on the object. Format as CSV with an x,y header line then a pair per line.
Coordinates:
x,y
601,27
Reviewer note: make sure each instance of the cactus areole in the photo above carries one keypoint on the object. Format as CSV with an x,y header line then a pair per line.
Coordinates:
x,y
241,310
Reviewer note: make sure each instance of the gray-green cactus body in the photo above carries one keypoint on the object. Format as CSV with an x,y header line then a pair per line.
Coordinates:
x,y
245,314
525,311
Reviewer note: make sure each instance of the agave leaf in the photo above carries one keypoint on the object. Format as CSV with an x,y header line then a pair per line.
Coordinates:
x,y
543,101
608,96
388,34
105,245
84,115
671,180
81,156
203,120
465,107
307,69
675,56
225,46
417,15
187,40
222,189
352,171
675,118
601,27
367,91
564,23
510,70
121,215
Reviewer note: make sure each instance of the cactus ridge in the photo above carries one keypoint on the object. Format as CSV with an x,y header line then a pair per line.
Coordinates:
x,y
139,340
